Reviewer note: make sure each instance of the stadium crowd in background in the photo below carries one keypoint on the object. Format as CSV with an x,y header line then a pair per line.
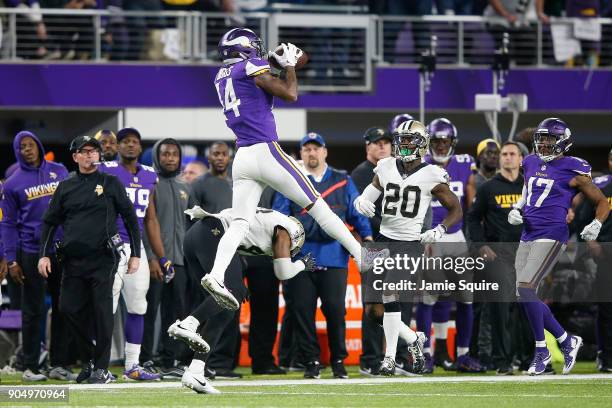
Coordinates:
x,y
135,37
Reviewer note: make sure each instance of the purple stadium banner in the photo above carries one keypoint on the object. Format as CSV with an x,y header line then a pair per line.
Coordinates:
x,y
176,86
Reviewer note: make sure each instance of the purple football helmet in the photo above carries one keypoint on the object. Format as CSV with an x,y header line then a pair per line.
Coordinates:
x,y
442,129
551,139
240,44
398,120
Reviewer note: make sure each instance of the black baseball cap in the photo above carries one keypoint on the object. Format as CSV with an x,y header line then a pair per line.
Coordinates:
x,y
374,134
81,141
125,132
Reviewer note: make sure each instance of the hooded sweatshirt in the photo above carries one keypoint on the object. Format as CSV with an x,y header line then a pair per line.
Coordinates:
x,y
172,197
26,197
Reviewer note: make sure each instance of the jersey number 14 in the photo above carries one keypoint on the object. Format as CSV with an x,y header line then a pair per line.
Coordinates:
x,y
410,197
229,101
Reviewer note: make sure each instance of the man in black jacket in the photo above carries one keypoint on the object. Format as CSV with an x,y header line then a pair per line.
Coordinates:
x,y
487,222
89,251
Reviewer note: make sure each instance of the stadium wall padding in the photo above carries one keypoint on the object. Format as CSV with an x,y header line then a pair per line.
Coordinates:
x,y
174,86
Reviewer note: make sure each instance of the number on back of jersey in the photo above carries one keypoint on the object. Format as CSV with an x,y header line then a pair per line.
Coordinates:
x,y
229,101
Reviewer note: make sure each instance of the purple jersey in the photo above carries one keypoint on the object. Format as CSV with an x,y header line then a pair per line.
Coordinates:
x,y
138,187
549,196
602,181
459,168
247,108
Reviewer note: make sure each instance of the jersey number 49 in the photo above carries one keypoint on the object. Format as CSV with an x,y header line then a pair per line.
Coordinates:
x,y
405,200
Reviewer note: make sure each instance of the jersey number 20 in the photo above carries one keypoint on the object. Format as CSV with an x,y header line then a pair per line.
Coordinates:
x,y
229,101
409,196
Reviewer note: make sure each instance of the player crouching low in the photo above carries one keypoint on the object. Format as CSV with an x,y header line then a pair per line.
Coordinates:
x,y
408,185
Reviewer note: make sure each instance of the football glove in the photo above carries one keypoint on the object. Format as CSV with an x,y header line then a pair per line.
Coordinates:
x,y
433,235
167,268
515,217
591,231
290,56
310,263
364,206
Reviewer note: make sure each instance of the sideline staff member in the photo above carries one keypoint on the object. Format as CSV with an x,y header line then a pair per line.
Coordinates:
x,y
89,249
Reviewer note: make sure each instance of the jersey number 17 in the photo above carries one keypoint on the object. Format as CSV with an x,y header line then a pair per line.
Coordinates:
x,y
547,183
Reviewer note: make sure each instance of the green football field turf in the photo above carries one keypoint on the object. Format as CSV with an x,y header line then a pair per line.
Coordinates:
x,y
444,389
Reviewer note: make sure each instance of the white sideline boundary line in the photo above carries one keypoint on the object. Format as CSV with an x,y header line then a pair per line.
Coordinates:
x,y
362,381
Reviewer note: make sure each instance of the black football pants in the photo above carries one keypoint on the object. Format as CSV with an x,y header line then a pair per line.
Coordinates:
x,y
86,299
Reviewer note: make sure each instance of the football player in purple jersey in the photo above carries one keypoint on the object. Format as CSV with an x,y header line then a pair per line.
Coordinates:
x,y
246,91
139,181
552,179
461,169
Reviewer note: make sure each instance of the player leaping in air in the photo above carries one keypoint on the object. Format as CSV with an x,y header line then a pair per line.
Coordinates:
x,y
551,181
246,91
408,186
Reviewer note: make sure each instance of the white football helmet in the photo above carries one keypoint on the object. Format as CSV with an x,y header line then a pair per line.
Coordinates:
x,y
410,140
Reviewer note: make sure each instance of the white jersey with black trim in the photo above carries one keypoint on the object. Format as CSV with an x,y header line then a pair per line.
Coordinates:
x,y
258,240
406,197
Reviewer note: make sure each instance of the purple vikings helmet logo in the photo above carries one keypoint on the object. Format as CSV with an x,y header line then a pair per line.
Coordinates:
x,y
240,44
410,141
442,129
551,139
398,120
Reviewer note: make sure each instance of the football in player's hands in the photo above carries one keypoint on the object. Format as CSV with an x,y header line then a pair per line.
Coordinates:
x,y
279,51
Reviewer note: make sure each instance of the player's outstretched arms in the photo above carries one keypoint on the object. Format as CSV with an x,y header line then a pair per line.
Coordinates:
x,y
602,209
286,89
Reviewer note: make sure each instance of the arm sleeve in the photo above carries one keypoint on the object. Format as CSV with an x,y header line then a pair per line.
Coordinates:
x,y
523,200
53,217
361,223
475,215
281,204
125,208
285,269
10,211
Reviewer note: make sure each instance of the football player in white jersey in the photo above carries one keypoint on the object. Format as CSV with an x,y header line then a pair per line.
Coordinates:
x,y
272,234
408,186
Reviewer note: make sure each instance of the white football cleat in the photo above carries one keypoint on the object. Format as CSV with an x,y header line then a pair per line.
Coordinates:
x,y
219,292
198,383
570,352
189,337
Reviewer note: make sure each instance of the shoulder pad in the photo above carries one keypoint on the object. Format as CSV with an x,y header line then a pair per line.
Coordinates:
x,y
148,168
256,66
580,166
382,162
